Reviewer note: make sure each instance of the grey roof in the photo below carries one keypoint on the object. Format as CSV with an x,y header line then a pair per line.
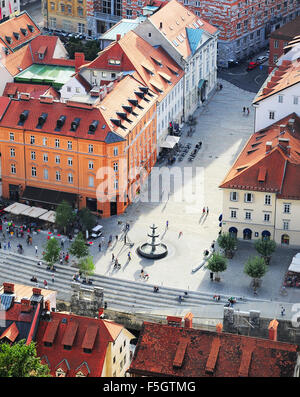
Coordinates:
x,y
122,27
6,301
112,137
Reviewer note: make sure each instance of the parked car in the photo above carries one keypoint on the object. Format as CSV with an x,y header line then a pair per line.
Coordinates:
x,y
252,65
96,231
262,59
232,62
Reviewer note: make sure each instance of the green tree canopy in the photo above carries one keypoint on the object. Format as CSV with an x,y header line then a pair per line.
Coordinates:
x,y
227,242
86,266
64,215
52,250
78,247
89,48
87,219
255,268
20,360
217,263
265,248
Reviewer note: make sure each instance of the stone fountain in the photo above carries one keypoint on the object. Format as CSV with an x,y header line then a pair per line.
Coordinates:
x,y
154,249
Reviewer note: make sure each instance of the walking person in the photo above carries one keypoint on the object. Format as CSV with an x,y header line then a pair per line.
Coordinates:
x,y
36,250
129,256
62,244
52,277
211,274
200,144
99,247
248,111
207,210
282,311
45,284
9,245
117,237
180,234
203,211
112,257
167,224
244,110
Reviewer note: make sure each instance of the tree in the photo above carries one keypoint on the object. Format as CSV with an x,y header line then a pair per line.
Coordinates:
x,y
265,248
87,267
20,360
217,263
52,250
87,219
64,215
228,243
90,48
255,268
78,247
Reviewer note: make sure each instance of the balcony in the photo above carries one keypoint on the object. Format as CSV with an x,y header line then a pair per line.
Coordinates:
x,y
107,17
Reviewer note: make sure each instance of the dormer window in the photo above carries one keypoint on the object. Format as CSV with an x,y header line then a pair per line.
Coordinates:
x,y
48,344
85,350
114,62
16,35
60,122
67,347
60,373
24,31
75,124
93,126
8,39
23,117
30,28
42,119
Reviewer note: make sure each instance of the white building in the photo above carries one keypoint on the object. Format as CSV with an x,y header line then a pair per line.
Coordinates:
x,y
192,43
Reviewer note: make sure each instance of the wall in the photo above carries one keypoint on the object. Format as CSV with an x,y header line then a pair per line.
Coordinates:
x,y
294,221
6,77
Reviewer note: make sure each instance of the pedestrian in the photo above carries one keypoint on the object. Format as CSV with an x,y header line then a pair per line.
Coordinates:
x,y
200,144
9,245
146,276
67,257
213,246
244,109
167,224
117,237
125,239
155,289
99,247
45,284
62,243
282,311
36,250
52,277
112,257
211,274
39,263
0,246
180,298
142,273
4,246
207,210
180,234
221,86
61,261
129,256
248,111
203,211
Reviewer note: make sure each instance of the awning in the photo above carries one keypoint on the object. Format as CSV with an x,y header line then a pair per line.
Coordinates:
x,y
49,216
201,83
16,208
170,141
47,196
34,212
295,265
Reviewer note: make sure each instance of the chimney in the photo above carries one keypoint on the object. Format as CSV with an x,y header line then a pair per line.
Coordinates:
x,y
25,305
47,306
36,291
118,37
8,288
174,321
188,320
284,142
24,96
100,313
268,146
79,60
281,127
219,328
273,330
46,99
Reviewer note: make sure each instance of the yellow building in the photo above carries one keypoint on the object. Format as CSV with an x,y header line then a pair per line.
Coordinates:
x,y
67,15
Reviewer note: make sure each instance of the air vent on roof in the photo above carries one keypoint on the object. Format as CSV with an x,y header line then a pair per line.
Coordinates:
x,y
144,89
17,35
93,126
127,108
24,31
133,102
8,39
75,124
123,116
60,122
42,119
175,43
6,50
31,28
116,122
23,117
139,94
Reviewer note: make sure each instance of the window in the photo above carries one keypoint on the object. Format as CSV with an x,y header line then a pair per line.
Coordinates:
x,y
267,199
295,100
121,349
114,360
115,167
91,181
32,156
32,139
52,5
11,136
56,142
275,58
68,88
91,148
275,43
248,215
271,115
57,159
70,161
128,14
62,8
45,173
286,208
44,141
80,11
233,196
267,217
77,90
115,151
70,178
248,197
70,9
91,165
280,98
285,225
70,145
124,344
45,157
13,168
12,152
116,184
81,28
233,214
33,171
58,176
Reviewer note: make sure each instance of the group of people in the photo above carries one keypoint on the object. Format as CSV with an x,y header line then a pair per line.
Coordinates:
x,y
63,258
246,111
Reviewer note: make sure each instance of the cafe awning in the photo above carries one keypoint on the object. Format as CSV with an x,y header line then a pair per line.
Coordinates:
x,y
16,208
48,196
49,216
170,141
34,212
201,83
295,265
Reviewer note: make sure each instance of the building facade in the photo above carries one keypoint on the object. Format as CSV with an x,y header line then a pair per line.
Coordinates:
x,y
102,15
9,9
244,25
192,43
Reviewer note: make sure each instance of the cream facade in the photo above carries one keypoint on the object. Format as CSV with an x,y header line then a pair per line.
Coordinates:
x,y
251,215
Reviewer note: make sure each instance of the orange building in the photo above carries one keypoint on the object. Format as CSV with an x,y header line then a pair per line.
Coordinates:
x,y
80,151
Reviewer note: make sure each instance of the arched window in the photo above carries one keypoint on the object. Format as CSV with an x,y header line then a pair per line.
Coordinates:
x,y
247,234
233,231
285,239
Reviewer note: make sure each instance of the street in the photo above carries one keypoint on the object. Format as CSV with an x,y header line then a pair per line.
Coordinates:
x,y
34,9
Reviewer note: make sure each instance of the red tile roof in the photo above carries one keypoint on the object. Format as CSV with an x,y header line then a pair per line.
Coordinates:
x,y
10,333
91,333
18,24
209,354
35,90
270,161
18,61
4,103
